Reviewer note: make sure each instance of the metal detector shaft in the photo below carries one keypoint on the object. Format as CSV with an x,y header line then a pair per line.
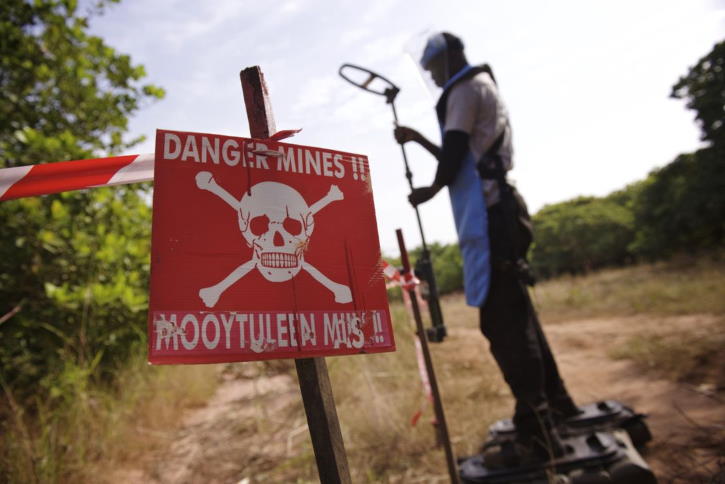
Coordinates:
x,y
441,425
371,82
437,332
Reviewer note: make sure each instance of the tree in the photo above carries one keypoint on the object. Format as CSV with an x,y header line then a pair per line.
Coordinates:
x,y
73,266
704,88
580,235
681,205
676,208
447,265
65,92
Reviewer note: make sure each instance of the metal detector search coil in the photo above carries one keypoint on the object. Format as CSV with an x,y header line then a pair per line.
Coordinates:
x,y
375,83
369,80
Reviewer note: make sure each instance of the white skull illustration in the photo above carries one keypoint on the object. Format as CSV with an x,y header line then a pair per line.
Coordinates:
x,y
276,223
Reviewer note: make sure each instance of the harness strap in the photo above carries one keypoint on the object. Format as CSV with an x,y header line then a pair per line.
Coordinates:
x,y
496,172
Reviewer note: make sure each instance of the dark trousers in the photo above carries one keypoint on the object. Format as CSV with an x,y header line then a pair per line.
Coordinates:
x,y
510,323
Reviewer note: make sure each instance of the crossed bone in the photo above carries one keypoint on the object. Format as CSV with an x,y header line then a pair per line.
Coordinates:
x,y
210,295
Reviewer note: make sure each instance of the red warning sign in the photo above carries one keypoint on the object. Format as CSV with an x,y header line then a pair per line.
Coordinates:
x,y
262,250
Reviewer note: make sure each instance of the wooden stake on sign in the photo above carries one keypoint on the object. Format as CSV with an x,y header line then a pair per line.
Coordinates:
x,y
437,402
256,101
322,420
311,372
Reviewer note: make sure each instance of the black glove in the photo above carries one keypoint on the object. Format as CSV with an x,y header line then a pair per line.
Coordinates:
x,y
422,194
403,134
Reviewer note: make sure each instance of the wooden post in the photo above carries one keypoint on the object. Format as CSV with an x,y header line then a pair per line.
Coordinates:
x,y
322,420
442,427
257,103
311,372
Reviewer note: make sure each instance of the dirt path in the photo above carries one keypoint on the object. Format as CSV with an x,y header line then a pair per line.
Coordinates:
x,y
684,419
251,425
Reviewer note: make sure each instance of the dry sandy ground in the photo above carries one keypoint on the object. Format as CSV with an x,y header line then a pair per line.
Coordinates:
x,y
683,418
256,423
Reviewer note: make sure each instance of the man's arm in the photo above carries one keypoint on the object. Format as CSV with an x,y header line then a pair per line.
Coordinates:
x,y
455,148
461,112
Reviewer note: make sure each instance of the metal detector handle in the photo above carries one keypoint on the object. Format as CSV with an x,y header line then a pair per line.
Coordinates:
x,y
390,91
437,332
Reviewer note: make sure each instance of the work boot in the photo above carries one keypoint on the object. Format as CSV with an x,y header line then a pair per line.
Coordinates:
x,y
564,410
523,452
536,443
561,413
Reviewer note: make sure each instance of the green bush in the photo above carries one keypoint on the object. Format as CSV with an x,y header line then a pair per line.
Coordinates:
x,y
681,206
447,265
73,266
580,235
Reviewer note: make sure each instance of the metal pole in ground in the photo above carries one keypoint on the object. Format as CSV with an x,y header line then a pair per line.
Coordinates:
x,y
437,402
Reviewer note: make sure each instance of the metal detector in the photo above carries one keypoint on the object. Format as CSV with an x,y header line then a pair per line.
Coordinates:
x,y
377,84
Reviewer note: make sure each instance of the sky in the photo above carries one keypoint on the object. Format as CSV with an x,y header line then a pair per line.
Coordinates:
x,y
586,84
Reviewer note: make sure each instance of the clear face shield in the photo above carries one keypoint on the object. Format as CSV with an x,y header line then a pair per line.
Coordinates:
x,y
429,52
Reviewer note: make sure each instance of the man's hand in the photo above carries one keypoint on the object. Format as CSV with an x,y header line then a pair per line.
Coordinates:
x,y
403,134
422,194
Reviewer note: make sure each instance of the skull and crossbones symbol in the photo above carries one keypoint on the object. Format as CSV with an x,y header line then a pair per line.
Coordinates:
x,y
276,224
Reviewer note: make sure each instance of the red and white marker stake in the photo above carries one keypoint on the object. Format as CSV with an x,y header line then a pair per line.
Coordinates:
x,y
408,282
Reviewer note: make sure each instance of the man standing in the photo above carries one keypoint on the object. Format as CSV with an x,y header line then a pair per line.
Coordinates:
x,y
491,221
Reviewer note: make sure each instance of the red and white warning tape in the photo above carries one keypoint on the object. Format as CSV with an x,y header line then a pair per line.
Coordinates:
x,y
64,176
390,272
408,281
32,180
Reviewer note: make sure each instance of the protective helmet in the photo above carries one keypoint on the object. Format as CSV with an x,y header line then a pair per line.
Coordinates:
x,y
434,57
437,44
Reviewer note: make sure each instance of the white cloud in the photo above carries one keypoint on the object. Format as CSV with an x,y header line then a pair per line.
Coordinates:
x,y
352,37
290,7
316,92
586,84
377,10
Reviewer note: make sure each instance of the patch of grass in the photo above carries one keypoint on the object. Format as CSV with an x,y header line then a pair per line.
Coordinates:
x,y
377,396
683,285
699,460
679,355
94,427
63,437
